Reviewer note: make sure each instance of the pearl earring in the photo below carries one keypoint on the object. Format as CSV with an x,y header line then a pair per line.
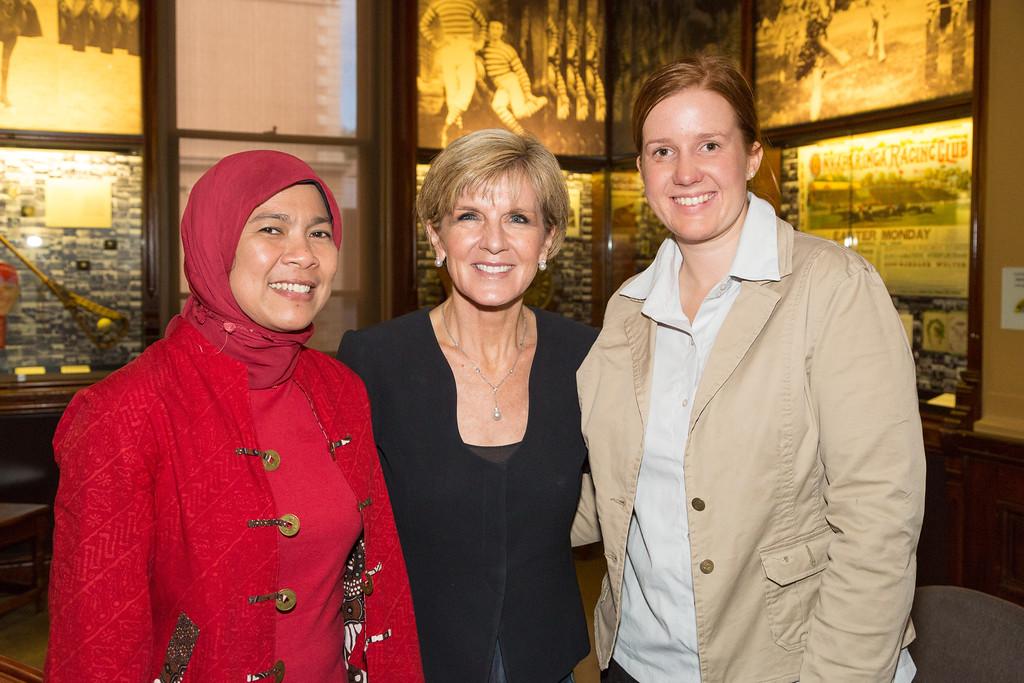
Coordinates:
x,y
542,264
438,261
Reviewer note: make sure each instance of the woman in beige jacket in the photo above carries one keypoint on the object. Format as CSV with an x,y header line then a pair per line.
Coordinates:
x,y
751,413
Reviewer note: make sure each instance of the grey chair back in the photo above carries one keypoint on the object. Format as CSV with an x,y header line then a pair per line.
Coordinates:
x,y
964,636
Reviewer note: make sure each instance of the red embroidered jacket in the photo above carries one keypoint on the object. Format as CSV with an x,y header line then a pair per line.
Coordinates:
x,y
160,473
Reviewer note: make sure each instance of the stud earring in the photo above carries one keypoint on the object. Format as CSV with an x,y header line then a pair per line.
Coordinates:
x,y
542,264
438,261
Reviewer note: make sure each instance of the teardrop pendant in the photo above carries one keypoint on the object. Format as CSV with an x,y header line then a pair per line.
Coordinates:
x,y
496,413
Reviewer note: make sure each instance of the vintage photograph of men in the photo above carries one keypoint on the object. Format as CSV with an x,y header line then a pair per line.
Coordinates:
x,y
532,66
649,33
820,59
70,65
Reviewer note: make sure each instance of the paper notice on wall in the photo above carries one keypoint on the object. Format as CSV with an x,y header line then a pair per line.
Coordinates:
x,y
926,260
78,203
1013,299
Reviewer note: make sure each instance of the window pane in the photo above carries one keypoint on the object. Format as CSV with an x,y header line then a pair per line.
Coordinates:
x,y
76,218
339,167
255,67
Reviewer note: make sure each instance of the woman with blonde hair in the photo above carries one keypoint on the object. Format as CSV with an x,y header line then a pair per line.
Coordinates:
x,y
476,420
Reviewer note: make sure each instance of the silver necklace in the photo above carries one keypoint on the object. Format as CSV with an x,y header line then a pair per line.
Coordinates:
x,y
496,413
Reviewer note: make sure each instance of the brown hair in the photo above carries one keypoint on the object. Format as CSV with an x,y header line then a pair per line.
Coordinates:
x,y
713,73
478,161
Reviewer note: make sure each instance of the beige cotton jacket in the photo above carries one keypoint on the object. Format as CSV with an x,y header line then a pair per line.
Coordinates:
x,y
804,467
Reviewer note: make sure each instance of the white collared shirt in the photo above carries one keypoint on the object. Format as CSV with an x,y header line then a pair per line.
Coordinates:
x,y
657,637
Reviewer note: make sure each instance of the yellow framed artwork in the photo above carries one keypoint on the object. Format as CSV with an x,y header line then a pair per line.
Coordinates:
x,y
822,59
71,66
901,197
528,66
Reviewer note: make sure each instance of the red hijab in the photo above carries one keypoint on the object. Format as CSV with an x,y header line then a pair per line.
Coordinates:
x,y
220,202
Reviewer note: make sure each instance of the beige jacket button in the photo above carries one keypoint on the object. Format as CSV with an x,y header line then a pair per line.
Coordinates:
x,y
697,504
285,600
707,566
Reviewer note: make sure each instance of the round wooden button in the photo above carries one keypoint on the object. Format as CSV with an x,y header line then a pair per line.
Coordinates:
x,y
285,601
271,460
291,526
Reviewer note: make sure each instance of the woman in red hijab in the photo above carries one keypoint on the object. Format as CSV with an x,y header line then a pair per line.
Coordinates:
x,y
221,514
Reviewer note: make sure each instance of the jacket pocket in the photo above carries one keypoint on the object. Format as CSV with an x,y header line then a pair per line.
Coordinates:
x,y
792,576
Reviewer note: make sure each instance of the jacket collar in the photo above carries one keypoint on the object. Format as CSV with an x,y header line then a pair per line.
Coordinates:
x,y
758,258
750,312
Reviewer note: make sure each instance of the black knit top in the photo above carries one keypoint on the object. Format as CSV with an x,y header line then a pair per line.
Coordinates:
x,y
486,543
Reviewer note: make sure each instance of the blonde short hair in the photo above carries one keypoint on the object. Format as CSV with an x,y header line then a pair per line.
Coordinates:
x,y
479,161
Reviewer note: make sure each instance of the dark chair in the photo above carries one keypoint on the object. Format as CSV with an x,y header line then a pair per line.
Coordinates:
x,y
964,636
16,672
24,524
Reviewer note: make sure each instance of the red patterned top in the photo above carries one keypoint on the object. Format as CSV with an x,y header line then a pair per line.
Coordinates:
x,y
158,487
322,512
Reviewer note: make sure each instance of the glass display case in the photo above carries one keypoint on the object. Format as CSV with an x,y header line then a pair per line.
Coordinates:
x,y
902,199
72,66
71,262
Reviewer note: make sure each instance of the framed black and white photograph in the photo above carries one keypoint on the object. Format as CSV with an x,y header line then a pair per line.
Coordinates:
x,y
71,65
650,33
822,59
531,66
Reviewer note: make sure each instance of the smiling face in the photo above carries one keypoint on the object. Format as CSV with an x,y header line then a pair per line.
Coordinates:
x,y
493,240
285,260
695,165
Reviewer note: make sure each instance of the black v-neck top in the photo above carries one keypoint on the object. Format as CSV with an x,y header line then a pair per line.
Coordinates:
x,y
486,543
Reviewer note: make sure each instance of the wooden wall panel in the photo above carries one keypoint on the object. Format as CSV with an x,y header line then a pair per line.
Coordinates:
x,y
985,501
1009,569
